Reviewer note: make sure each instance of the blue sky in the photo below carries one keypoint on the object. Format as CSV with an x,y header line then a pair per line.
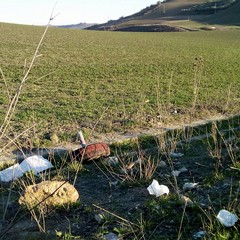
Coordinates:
x,y
37,12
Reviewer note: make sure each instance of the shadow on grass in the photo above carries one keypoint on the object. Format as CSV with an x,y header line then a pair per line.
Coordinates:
x,y
48,153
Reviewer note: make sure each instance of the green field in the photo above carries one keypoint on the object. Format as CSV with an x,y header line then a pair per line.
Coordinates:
x,y
112,82
124,80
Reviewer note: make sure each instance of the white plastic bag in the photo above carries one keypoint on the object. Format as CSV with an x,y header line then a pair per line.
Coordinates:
x,y
156,189
227,218
34,163
11,173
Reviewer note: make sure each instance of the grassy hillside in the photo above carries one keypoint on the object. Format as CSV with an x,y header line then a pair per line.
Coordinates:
x,y
155,13
76,26
230,16
180,13
127,80
170,8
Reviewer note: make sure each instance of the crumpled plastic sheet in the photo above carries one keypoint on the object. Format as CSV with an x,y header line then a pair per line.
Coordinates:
x,y
156,189
189,186
34,163
200,235
176,155
227,218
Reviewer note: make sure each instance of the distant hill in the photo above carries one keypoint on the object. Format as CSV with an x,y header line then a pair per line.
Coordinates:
x,y
173,13
230,16
77,26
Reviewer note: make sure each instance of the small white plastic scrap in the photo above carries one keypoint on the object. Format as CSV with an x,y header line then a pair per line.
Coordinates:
x,y
189,186
162,164
200,234
183,169
176,155
227,218
111,236
112,161
156,189
114,183
176,173
81,139
99,218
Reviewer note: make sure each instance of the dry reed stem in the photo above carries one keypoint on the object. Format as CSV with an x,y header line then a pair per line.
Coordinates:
x,y
5,83
115,215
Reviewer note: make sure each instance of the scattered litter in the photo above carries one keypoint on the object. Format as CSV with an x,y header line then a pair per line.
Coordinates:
x,y
81,139
91,152
99,218
115,183
34,163
112,161
227,218
166,175
183,169
156,189
176,173
162,164
200,234
176,155
11,173
111,236
189,186
175,111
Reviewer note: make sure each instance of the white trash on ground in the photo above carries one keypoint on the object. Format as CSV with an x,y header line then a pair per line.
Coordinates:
x,y
112,161
189,186
99,218
176,173
183,169
34,163
111,236
162,164
81,139
11,173
176,155
227,218
200,235
156,189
